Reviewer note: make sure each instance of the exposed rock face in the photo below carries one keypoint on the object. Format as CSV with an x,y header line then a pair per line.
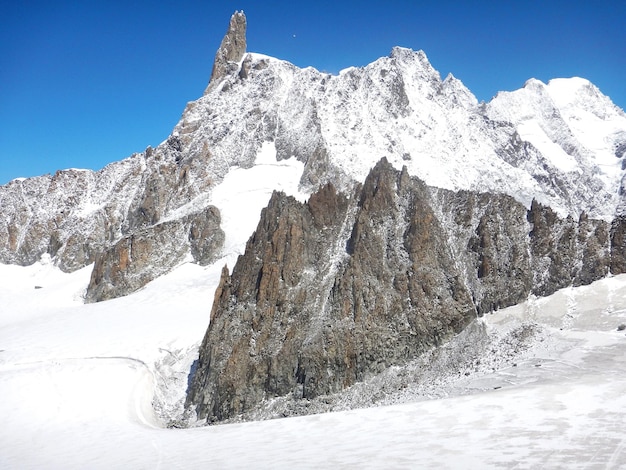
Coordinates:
x,y
231,50
151,252
271,285
567,252
618,245
337,289
72,215
489,243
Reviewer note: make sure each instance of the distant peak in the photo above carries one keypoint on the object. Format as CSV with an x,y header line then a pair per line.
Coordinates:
x,y
577,91
232,48
398,52
576,82
409,56
451,80
458,92
534,84
572,86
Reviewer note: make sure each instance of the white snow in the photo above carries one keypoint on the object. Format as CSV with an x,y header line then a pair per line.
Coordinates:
x,y
77,382
575,129
88,208
593,120
243,193
531,131
257,56
564,90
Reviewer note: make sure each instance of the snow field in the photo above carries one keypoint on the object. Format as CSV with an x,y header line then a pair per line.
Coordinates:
x,y
243,193
77,383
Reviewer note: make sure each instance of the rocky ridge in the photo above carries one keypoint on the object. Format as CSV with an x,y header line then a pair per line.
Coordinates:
x,y
334,291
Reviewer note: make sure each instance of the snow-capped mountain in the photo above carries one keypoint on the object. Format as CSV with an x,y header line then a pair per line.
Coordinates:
x,y
561,144
372,237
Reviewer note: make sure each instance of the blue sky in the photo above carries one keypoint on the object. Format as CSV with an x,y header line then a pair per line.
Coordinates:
x,y
86,83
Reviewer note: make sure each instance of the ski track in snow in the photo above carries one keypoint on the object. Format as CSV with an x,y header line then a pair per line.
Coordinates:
x,y
77,383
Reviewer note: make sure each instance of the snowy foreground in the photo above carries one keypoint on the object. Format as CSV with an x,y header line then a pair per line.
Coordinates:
x,y
78,382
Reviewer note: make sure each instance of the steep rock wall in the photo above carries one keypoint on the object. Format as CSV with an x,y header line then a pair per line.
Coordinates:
x,y
332,291
139,258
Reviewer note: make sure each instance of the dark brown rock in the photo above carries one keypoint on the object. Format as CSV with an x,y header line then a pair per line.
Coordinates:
x,y
566,252
139,258
500,241
336,290
231,50
323,298
270,300
134,261
618,245
205,235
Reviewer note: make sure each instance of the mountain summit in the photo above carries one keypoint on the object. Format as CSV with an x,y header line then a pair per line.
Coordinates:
x,y
232,49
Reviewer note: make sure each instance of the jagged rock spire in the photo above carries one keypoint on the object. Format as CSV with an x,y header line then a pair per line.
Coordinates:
x,y
231,50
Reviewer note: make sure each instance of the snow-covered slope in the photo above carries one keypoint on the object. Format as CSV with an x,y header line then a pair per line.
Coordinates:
x,y
399,108
78,381
575,138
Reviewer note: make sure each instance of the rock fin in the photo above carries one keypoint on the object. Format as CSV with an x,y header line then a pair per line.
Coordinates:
x,y
231,50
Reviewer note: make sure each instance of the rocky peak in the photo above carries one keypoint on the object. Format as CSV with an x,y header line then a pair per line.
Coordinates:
x,y
232,48
405,54
457,93
338,289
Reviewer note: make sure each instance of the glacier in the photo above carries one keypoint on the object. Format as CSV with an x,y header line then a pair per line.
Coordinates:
x,y
80,383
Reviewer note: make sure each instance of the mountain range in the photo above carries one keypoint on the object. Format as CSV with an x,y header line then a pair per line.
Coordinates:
x,y
402,210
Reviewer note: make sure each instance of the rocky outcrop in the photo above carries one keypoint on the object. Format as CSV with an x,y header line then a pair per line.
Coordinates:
x,y
275,307
618,245
231,50
337,289
489,243
151,252
72,215
565,251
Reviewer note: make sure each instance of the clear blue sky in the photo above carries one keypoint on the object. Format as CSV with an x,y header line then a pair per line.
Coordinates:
x,y
86,83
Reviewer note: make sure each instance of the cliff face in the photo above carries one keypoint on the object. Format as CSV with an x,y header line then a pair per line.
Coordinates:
x,y
339,288
231,50
146,254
